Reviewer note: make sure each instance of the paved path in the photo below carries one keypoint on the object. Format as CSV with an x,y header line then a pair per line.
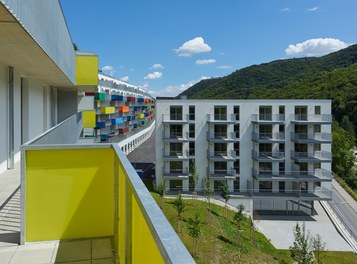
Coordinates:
x,y
280,231
145,153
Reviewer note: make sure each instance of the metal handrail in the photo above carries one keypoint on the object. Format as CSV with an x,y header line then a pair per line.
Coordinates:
x,y
312,118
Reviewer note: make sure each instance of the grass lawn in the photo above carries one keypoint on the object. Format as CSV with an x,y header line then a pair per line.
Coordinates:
x,y
218,241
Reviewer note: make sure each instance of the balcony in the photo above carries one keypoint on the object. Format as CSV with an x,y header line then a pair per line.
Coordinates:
x,y
221,155
311,119
175,119
268,118
268,137
176,174
222,137
175,155
222,174
176,137
319,175
316,156
311,138
319,193
268,156
222,119
73,191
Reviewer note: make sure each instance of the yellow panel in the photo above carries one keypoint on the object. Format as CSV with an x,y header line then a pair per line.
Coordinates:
x,y
89,118
107,110
140,116
69,194
145,249
86,70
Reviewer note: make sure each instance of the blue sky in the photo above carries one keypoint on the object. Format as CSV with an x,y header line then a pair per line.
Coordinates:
x,y
165,46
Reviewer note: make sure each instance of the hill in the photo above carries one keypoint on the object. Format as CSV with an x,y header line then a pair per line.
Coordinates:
x,y
333,76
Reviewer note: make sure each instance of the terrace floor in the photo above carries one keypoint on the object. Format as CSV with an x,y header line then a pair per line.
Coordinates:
x,y
82,251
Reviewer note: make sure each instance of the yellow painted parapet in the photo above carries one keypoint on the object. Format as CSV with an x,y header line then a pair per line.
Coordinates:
x,y
89,118
140,116
86,69
69,194
107,110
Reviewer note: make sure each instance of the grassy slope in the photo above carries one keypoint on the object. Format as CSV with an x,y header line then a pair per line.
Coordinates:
x,y
218,243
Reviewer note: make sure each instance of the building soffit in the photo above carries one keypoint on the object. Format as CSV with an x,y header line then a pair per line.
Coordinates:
x,y
19,50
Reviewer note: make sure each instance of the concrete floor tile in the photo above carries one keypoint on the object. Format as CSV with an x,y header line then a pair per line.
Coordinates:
x,y
72,251
33,254
102,261
102,248
76,262
6,254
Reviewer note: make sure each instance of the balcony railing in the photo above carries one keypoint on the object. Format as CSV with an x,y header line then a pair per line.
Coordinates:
x,y
316,155
175,172
319,193
175,118
72,191
175,154
228,136
222,155
317,175
278,118
270,155
305,118
316,137
222,118
222,173
176,136
268,136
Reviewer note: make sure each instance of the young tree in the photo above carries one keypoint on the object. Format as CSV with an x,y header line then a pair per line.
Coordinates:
x,y
300,251
160,189
252,231
238,220
194,230
180,206
226,195
318,246
195,175
208,195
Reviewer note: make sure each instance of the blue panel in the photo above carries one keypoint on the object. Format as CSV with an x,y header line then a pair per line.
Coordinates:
x,y
116,97
117,121
140,100
100,124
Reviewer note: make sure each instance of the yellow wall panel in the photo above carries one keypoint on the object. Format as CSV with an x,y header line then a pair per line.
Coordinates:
x,y
107,110
89,118
86,70
69,194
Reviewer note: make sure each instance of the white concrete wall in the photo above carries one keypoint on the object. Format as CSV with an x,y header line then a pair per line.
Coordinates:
x,y
247,108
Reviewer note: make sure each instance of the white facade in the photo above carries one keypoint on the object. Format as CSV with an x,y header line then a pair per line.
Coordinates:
x,y
270,150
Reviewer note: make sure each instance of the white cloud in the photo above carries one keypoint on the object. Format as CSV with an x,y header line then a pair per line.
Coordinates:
x,y
108,70
193,46
224,67
221,53
286,9
157,66
313,9
173,90
201,62
154,75
315,47
131,69
125,78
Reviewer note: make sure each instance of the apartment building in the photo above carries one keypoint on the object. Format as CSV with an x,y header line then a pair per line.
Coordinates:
x,y
277,152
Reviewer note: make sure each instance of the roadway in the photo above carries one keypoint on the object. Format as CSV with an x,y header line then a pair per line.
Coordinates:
x,y
345,209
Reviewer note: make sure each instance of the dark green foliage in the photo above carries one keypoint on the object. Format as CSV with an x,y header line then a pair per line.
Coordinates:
x,y
180,207
333,76
194,230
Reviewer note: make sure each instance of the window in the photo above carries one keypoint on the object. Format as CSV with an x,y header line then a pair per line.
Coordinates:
x,y
191,112
175,184
220,113
236,111
281,186
301,112
317,147
265,131
265,167
218,185
175,112
301,129
281,167
191,151
317,110
265,113
176,149
236,166
282,147
236,148
175,131
265,186
300,147
304,187
220,149
220,167
303,168
220,131
281,129
281,110
236,185
176,167
191,131
236,130
317,128
265,148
